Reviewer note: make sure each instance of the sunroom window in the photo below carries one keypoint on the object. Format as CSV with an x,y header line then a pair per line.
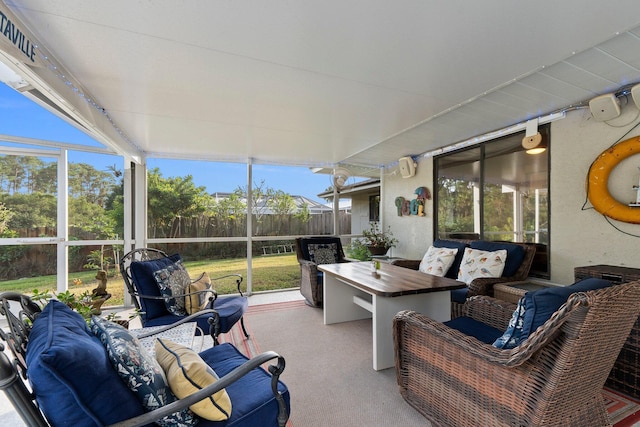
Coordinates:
x,y
496,191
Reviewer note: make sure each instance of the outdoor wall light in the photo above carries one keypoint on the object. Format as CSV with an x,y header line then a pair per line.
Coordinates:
x,y
532,141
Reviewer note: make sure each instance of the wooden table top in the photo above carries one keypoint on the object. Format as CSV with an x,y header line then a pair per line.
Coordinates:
x,y
391,280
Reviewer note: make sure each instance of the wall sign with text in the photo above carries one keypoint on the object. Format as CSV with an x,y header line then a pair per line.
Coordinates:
x,y
414,206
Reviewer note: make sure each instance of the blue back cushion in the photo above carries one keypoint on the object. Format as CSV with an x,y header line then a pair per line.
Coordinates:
x,y
71,375
253,402
145,283
515,254
452,244
540,305
459,295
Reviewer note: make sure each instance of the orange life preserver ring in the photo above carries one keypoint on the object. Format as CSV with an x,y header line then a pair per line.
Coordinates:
x,y
598,188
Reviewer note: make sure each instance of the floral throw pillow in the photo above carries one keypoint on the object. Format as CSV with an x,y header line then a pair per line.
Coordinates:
x,y
437,261
476,263
513,333
173,281
323,253
140,371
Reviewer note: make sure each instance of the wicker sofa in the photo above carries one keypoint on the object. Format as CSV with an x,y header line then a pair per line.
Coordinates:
x,y
519,259
552,377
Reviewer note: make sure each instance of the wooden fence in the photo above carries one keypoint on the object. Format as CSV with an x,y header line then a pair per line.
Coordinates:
x,y
38,260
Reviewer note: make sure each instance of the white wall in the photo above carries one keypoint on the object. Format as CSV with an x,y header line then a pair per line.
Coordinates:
x,y
584,237
578,237
414,233
360,212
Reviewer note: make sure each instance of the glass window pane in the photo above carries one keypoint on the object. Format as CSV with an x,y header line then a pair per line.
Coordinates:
x,y
286,202
515,193
196,199
458,178
513,197
274,263
28,196
96,205
28,267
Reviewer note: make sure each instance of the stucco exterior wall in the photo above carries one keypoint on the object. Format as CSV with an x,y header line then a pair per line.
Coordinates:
x,y
414,233
360,212
584,237
577,236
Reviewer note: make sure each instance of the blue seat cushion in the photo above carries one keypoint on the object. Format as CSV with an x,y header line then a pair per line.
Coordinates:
x,y
254,404
452,273
475,328
459,295
146,284
71,375
230,309
515,254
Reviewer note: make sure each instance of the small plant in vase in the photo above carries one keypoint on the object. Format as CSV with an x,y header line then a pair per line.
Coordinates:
x,y
377,240
115,317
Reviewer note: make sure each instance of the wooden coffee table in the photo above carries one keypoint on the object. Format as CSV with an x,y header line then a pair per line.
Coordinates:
x,y
353,292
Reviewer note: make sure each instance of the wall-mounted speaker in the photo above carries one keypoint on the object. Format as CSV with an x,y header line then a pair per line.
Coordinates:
x,y
635,94
407,167
604,107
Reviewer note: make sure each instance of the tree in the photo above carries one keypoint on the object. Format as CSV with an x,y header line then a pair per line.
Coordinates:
x,y
172,198
86,182
5,217
303,214
281,203
228,211
31,210
268,200
18,173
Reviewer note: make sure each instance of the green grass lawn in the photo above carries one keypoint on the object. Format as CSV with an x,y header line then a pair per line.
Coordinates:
x,y
269,273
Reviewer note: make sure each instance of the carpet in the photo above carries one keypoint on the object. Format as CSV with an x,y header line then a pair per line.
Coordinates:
x,y
346,391
624,411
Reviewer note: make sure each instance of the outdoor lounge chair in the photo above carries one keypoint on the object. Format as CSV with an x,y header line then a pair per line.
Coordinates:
x,y
310,252
139,269
553,377
73,379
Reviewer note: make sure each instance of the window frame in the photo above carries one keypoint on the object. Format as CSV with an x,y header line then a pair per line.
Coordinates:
x,y
542,265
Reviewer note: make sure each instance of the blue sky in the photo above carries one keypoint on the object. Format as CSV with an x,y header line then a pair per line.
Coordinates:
x,y
19,116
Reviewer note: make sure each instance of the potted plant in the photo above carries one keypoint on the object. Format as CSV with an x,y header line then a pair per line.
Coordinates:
x,y
84,304
358,251
377,240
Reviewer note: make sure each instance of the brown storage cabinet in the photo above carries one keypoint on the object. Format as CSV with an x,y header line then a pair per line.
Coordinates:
x,y
625,375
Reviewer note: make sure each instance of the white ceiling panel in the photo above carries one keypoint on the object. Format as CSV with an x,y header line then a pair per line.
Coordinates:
x,y
323,83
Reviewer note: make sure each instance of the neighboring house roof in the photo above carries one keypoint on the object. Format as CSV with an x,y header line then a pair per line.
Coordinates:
x,y
349,190
313,206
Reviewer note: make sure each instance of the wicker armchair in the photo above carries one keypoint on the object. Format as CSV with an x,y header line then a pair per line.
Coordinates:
x,y
555,377
310,252
483,285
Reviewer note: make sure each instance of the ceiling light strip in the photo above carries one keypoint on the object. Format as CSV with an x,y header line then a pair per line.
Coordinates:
x,y
494,135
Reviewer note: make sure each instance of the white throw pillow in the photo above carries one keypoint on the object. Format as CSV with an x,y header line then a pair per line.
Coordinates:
x,y
437,261
476,263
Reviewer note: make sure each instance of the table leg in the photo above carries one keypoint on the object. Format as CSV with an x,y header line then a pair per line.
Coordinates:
x,y
436,305
338,301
